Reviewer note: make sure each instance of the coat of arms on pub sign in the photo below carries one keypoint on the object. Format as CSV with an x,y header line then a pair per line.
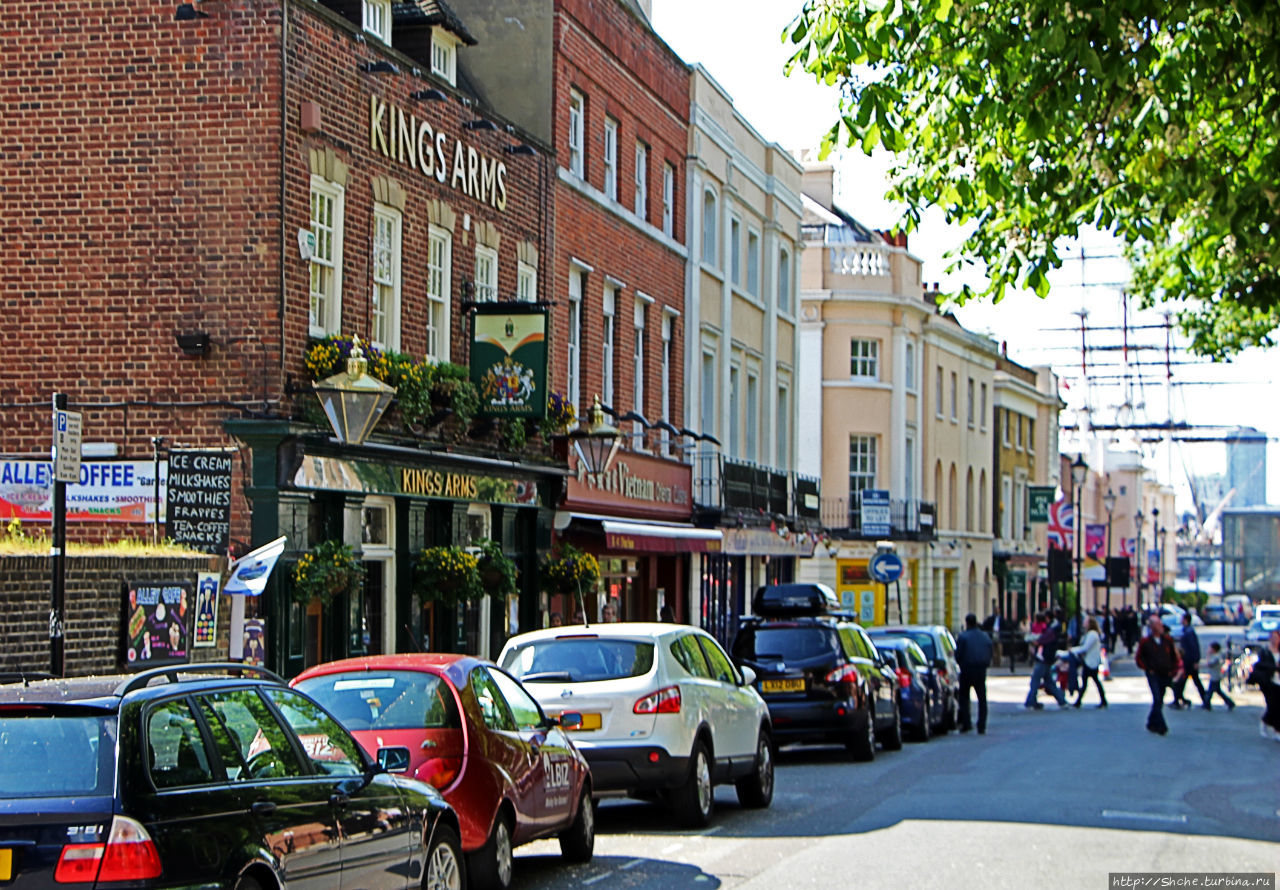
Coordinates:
x,y
509,360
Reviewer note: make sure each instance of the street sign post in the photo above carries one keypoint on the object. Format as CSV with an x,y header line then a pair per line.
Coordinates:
x,y
66,468
66,445
885,567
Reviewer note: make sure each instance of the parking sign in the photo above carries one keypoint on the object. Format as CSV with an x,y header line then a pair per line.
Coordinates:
x,y
66,446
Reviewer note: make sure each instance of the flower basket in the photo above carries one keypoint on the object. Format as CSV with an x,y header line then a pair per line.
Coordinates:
x,y
327,571
497,572
560,416
447,574
571,572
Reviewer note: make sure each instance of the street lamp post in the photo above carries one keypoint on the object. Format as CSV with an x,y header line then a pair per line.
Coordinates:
x,y
1108,501
1155,539
1138,519
1163,532
1079,472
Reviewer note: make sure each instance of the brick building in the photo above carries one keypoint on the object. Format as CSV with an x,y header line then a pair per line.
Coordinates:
x,y
194,194
613,98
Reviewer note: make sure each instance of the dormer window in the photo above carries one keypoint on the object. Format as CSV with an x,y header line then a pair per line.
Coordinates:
x,y
377,19
444,55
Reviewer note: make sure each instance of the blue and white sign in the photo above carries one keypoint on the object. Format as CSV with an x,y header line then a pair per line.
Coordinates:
x,y
885,567
875,513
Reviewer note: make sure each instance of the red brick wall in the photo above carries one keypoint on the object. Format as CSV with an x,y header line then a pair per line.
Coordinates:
x,y
627,73
142,198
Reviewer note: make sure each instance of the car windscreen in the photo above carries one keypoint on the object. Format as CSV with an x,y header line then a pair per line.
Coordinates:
x,y
56,752
786,643
385,699
579,660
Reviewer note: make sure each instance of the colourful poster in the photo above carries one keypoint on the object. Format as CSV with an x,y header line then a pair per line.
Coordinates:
x,y
509,359
206,630
1095,539
108,491
254,646
155,623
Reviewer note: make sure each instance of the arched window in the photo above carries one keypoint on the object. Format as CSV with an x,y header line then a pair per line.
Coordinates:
x,y
982,501
937,490
709,228
968,501
951,499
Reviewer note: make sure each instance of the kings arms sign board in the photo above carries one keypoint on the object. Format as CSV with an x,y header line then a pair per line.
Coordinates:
x,y
509,359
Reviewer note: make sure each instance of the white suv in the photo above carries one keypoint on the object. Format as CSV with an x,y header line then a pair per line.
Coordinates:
x,y
664,711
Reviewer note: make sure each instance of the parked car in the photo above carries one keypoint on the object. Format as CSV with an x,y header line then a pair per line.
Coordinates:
x,y
1240,606
191,776
1216,613
940,648
920,697
664,711
1259,630
820,675
471,730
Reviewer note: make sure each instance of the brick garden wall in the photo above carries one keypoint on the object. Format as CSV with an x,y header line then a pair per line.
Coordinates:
x,y
93,609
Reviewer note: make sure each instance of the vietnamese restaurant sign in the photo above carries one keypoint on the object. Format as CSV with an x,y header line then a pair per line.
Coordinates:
x,y
402,137
108,491
635,485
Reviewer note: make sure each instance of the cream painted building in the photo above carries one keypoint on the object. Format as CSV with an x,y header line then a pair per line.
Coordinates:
x,y
741,290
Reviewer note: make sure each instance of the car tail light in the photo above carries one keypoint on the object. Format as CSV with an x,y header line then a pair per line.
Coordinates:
x,y
664,701
942,674
128,855
846,674
439,771
904,678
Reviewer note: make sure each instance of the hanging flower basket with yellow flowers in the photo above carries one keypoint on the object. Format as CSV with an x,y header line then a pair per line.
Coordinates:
x,y
448,575
497,572
572,571
328,570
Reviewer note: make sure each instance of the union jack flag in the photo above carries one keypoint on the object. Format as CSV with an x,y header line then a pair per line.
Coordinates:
x,y
1061,525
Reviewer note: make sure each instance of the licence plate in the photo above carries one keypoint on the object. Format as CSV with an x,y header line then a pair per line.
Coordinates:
x,y
6,865
796,685
589,722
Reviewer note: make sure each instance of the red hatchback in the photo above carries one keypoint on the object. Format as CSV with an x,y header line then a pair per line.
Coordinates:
x,y
471,730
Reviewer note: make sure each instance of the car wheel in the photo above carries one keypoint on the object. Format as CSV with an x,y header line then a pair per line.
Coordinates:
x,y
578,841
491,865
444,861
950,715
863,744
924,730
892,738
695,799
756,788
248,882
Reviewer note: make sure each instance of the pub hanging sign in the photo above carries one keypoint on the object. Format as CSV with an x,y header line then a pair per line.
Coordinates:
x,y
509,359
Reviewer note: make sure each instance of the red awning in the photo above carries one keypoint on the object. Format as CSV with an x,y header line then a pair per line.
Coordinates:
x,y
649,537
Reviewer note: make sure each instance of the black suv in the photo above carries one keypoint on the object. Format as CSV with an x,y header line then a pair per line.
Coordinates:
x,y
820,675
215,775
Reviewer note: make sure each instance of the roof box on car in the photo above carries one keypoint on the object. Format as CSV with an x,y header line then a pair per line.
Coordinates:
x,y
794,599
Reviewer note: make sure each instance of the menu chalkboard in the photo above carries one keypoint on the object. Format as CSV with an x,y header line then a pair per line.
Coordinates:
x,y
198,505
155,623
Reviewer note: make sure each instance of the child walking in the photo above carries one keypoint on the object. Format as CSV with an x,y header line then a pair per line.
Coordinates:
x,y
1215,678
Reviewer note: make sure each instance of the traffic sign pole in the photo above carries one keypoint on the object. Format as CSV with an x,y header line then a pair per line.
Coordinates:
x,y
58,596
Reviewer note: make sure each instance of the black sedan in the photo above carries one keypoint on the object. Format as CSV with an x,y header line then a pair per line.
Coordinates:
x,y
919,701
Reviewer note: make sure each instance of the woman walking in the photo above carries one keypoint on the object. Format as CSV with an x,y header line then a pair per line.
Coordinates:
x,y
1090,654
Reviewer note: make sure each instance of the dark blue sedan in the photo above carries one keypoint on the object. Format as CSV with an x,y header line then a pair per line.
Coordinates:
x,y
919,700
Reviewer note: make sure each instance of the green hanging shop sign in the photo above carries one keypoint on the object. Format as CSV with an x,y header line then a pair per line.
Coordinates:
x,y
509,359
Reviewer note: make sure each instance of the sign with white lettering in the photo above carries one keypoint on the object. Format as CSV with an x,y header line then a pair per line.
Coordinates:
x,y
509,359
106,491
66,445
635,485
875,513
155,623
198,506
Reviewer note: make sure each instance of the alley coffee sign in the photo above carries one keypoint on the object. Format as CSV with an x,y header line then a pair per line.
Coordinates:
x,y
198,505
635,485
509,359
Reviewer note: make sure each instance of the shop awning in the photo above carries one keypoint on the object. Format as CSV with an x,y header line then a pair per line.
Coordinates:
x,y
626,535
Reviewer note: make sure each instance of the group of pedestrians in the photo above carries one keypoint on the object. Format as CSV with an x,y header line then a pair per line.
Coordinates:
x,y
1051,648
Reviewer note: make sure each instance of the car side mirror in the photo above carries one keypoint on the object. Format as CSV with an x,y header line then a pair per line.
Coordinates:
x,y
748,676
394,760
568,720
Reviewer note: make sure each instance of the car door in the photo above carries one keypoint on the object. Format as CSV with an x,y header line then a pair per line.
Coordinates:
x,y
377,840
551,770
294,816
736,707
880,680
508,753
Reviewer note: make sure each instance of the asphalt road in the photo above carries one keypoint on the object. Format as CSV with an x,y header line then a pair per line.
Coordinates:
x,y
1045,799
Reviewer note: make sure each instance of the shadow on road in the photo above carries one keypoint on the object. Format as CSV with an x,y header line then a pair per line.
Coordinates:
x,y
609,872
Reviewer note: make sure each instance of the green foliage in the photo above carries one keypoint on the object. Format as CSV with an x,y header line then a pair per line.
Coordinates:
x,y
497,572
452,388
328,570
571,572
1027,120
512,433
448,575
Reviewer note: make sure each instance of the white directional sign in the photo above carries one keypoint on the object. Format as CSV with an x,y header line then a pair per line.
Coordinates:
x,y
66,446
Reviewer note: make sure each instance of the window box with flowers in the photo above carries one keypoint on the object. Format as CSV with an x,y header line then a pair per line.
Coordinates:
x,y
571,572
447,575
328,570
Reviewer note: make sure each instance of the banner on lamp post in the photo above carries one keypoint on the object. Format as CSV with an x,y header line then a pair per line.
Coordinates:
x,y
509,359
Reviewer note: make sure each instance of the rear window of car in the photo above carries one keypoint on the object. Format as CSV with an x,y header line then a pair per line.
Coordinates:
x,y
385,700
921,638
50,753
579,660
790,643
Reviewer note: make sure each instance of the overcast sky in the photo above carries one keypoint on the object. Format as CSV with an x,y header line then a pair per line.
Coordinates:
x,y
739,43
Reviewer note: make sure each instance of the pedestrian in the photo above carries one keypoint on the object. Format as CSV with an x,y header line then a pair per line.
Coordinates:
x,y
973,654
1158,657
1214,663
1090,654
1190,645
609,615
1264,677
1046,650
557,620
